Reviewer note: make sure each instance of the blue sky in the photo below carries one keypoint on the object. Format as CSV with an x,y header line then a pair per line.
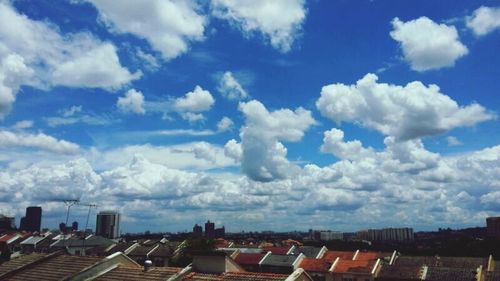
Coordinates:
x,y
258,115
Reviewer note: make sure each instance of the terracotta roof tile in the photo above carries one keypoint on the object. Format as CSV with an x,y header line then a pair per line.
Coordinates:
x,y
332,255
345,266
316,265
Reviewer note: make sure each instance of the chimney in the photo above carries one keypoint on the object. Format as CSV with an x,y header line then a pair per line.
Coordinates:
x,y
147,265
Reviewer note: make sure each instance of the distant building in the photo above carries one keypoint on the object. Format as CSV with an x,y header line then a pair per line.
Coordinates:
x,y
209,230
108,224
493,227
197,230
74,226
330,235
33,219
7,223
404,234
220,232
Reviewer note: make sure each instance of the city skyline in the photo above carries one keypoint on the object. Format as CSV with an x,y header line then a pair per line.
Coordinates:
x,y
282,115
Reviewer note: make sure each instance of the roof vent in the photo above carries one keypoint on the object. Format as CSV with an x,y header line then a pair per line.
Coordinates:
x,y
147,265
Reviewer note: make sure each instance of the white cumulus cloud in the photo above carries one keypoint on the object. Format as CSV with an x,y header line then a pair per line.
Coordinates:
x,y
36,141
168,26
427,45
133,101
484,20
224,124
35,53
263,155
405,112
279,21
230,88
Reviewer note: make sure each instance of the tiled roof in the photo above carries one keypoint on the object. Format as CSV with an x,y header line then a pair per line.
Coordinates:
x,y
492,276
248,276
236,276
33,240
162,250
127,273
361,266
201,276
308,251
400,272
277,250
120,247
7,237
316,265
279,260
332,255
248,258
55,268
141,250
450,274
90,241
372,255
19,262
435,261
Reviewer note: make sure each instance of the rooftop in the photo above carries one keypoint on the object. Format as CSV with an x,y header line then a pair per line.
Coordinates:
x,y
125,273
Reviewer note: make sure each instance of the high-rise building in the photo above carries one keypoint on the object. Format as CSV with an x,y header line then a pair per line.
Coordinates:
x,y
493,227
33,219
108,224
209,230
197,230
7,223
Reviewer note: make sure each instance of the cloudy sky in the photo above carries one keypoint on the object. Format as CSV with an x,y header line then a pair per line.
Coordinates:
x,y
259,115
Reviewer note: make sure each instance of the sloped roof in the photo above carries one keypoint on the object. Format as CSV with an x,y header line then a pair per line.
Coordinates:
x,y
249,258
20,261
247,276
450,274
358,266
277,250
141,250
406,272
33,240
372,255
308,251
56,267
279,260
332,255
236,276
128,273
316,265
90,241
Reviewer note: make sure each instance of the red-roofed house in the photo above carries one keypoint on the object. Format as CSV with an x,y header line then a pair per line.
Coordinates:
x,y
360,270
332,255
249,261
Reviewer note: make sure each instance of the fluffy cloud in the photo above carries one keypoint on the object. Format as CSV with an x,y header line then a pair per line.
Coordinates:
x,y
396,183
36,141
230,88
427,45
34,53
190,105
279,21
133,101
168,26
263,155
224,124
405,112
484,20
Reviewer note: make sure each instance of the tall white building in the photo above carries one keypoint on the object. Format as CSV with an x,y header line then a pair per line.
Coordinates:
x,y
108,224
